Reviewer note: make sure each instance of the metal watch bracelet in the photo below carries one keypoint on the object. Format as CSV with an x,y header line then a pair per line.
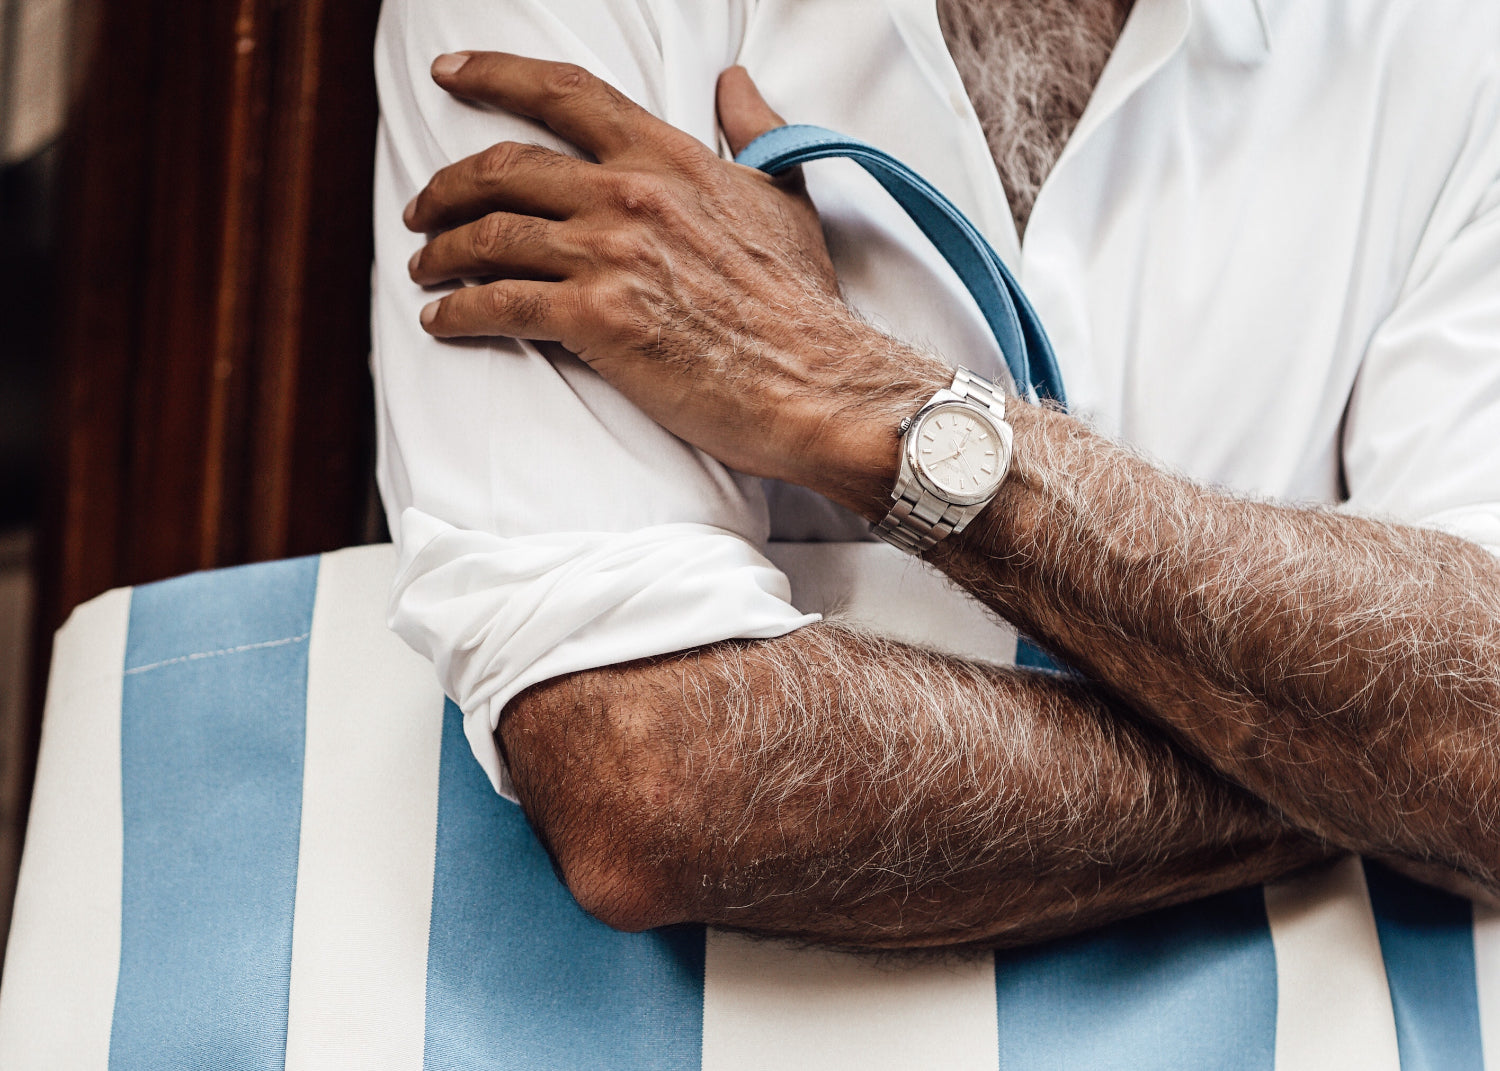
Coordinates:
x,y
919,519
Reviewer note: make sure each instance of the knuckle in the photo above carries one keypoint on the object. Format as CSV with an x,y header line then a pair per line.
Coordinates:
x,y
608,305
713,180
565,80
517,313
643,256
697,163
608,246
595,309
569,244
640,193
626,313
490,238
494,162
495,302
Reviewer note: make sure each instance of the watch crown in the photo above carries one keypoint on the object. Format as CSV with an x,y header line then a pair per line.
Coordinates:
x,y
904,426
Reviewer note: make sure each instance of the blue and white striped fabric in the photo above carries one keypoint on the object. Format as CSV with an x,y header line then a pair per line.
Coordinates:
x,y
258,840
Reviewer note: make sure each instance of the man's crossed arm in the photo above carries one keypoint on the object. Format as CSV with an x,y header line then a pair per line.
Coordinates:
x,y
837,787
1335,681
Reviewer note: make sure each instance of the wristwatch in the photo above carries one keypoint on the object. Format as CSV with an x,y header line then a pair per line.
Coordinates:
x,y
954,454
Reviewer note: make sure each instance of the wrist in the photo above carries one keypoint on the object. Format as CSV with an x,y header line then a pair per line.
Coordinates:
x,y
1008,526
852,430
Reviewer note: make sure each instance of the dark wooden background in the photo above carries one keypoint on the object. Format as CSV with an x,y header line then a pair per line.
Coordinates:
x,y
214,404
211,402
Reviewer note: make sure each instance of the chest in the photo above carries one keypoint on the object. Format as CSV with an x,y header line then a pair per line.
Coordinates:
x,y
1213,245
1029,68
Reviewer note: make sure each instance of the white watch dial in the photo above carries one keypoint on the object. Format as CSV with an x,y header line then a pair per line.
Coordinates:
x,y
961,453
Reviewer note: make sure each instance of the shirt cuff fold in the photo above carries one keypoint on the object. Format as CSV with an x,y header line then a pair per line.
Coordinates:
x,y
497,615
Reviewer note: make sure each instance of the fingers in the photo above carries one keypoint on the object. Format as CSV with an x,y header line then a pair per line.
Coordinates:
x,y
580,108
526,179
501,243
514,307
743,112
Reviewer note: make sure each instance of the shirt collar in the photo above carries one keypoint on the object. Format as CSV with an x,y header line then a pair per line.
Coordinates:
x,y
1237,32
1232,32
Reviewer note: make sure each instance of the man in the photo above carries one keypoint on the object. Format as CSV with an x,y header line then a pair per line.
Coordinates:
x,y
1268,255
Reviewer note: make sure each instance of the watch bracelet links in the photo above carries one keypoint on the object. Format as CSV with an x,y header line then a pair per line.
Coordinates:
x,y
911,525
918,520
977,389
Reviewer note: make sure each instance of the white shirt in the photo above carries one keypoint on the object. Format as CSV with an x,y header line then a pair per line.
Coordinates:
x,y
1269,257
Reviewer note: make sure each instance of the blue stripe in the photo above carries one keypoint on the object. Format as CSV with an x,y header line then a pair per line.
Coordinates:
x,y
212,727
1427,940
517,975
1189,987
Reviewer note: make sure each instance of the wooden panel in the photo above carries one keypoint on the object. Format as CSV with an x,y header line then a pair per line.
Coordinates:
x,y
214,405
212,401
315,473
15,611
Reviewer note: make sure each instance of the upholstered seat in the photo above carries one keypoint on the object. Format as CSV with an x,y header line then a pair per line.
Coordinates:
x,y
259,839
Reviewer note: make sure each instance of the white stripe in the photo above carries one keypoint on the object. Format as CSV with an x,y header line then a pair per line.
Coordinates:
x,y
1333,1007
369,825
58,998
767,1005
1487,981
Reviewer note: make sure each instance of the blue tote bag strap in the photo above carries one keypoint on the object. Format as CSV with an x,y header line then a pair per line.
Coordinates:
x,y
1028,353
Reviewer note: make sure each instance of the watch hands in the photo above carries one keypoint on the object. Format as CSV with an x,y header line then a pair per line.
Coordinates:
x,y
960,449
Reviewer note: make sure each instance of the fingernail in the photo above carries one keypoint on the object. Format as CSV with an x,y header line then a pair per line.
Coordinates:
x,y
429,312
409,213
448,64
411,265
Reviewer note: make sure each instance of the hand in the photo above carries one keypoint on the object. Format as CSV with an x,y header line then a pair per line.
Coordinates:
x,y
699,288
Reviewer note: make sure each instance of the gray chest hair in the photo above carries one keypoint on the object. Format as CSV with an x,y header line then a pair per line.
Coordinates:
x,y
1029,67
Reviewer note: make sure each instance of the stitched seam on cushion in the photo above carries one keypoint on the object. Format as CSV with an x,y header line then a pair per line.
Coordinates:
x,y
196,655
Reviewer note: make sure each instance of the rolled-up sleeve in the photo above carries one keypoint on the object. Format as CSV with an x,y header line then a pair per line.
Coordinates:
x,y
544,524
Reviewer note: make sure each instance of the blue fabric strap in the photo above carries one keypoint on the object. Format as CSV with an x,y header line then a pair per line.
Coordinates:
x,y
1010,316
1023,342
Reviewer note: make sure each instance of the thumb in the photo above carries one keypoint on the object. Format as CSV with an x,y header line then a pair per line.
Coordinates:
x,y
743,112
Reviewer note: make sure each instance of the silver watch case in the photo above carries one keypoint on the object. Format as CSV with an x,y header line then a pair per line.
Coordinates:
x,y
911,462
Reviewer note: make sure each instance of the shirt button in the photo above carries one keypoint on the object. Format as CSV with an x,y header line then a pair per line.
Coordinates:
x,y
960,103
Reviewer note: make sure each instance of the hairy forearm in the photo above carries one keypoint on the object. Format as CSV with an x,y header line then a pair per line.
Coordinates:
x,y
1346,670
833,786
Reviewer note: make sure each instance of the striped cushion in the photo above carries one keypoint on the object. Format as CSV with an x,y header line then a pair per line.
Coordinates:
x,y
259,840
